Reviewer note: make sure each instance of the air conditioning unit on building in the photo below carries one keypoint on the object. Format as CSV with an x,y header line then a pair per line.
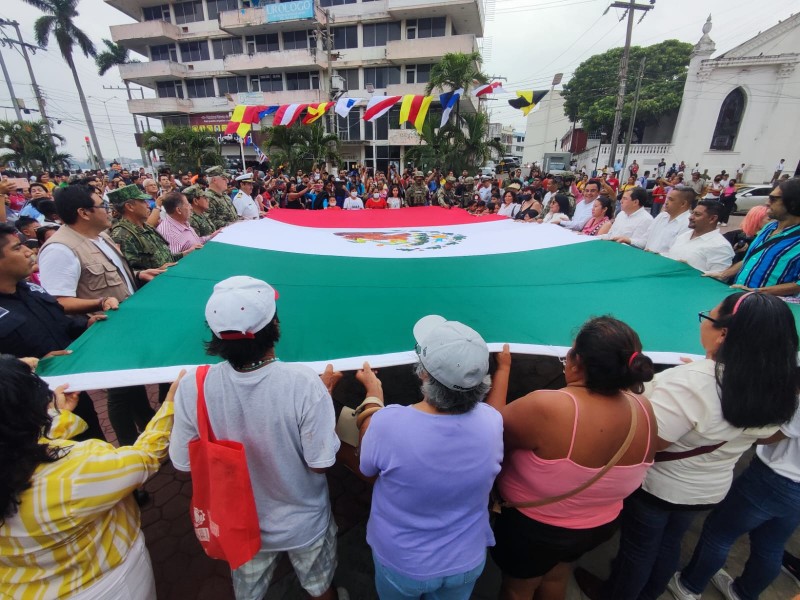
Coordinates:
x,y
338,84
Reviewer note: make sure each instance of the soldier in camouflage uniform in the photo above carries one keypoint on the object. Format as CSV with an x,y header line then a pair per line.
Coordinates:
x,y
142,246
221,211
467,190
446,194
417,192
199,220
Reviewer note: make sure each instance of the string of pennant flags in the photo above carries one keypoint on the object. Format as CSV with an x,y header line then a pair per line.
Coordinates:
x,y
413,108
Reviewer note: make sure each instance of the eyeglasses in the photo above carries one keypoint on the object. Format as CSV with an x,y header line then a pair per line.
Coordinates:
x,y
104,206
773,198
703,315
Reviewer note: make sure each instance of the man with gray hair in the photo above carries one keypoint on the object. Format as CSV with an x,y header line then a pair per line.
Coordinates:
x,y
435,462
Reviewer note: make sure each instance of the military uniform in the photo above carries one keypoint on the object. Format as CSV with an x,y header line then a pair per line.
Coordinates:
x,y
417,193
445,197
143,247
221,211
201,224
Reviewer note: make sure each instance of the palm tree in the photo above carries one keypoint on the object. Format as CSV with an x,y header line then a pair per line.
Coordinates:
x,y
29,146
321,146
474,149
433,148
183,148
59,20
113,56
456,70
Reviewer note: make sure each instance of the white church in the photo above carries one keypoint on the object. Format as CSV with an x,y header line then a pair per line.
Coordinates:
x,y
743,106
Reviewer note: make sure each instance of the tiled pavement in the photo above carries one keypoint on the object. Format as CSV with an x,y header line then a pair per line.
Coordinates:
x,y
184,572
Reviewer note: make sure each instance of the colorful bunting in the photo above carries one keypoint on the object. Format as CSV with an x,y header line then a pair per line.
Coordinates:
x,y
527,100
414,109
490,88
315,112
379,106
343,105
287,114
236,119
448,101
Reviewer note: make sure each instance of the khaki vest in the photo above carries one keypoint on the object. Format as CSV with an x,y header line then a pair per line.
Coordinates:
x,y
99,276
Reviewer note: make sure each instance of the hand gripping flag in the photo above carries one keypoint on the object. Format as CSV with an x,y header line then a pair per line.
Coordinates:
x,y
287,114
414,109
527,100
379,106
490,88
314,112
343,105
448,102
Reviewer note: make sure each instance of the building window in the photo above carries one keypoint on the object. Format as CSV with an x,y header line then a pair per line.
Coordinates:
x,y
350,77
305,80
270,82
169,89
378,34
425,28
176,121
386,156
295,40
217,6
380,77
350,126
335,2
164,52
418,73
156,13
345,37
226,46
261,43
200,88
232,85
729,120
193,51
188,12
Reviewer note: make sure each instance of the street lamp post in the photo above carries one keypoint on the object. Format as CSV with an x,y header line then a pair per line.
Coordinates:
x,y
597,160
110,126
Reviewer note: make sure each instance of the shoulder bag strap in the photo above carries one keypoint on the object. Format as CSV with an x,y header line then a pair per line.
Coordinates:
x,y
614,460
668,456
203,422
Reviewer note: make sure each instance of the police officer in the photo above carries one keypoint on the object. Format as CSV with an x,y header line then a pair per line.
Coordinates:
x,y
446,194
417,192
32,322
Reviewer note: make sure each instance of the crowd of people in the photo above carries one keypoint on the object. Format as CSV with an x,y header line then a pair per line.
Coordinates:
x,y
619,446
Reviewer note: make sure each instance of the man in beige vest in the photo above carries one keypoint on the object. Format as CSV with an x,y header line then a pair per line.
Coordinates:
x,y
81,266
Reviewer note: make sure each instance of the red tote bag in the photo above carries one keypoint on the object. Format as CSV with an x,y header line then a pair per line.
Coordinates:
x,y
223,506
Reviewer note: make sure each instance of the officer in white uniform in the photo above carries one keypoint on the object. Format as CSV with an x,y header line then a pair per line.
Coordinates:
x,y
243,202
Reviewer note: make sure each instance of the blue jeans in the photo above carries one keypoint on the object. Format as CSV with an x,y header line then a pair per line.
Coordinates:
x,y
392,585
656,208
649,549
767,507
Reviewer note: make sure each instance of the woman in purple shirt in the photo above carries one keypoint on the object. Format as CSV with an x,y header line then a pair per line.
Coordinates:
x,y
435,463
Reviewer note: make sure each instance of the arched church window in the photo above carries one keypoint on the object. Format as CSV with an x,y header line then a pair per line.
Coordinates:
x,y
729,120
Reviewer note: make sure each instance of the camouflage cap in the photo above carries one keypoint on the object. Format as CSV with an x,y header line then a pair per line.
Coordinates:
x,y
126,194
514,187
418,174
217,172
469,180
191,192
450,179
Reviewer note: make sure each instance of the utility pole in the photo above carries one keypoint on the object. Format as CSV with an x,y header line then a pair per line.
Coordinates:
x,y
110,125
633,113
145,155
10,87
36,90
556,80
631,7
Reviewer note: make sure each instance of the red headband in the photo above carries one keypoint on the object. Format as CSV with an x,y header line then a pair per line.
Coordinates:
x,y
739,301
630,360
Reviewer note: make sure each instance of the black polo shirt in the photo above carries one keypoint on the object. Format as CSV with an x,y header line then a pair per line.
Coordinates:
x,y
33,323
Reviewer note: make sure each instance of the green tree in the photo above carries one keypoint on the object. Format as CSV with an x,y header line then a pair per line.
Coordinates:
x,y
59,21
590,96
456,70
183,148
28,145
301,146
322,146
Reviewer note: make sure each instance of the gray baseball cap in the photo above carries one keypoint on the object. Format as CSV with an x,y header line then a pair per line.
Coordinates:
x,y
454,354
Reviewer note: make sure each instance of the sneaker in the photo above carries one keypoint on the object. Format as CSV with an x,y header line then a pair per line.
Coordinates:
x,y
791,566
724,583
678,591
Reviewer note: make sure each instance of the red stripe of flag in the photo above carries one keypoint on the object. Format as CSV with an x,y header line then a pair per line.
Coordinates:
x,y
380,106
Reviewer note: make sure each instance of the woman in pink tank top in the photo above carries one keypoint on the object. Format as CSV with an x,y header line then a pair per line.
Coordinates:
x,y
556,441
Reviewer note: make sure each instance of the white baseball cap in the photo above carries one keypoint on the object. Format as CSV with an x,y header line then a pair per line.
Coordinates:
x,y
240,307
454,354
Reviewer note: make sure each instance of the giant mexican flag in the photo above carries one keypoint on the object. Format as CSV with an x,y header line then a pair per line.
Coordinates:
x,y
353,283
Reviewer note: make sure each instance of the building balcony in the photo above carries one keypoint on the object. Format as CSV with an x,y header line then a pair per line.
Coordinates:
x,y
429,49
261,62
138,36
147,73
467,15
250,21
282,97
133,8
160,106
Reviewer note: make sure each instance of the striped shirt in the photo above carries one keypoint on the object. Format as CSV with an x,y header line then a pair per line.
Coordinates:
x,y
78,520
179,236
778,262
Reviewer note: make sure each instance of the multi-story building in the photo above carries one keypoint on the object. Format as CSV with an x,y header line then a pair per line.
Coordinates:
x,y
206,56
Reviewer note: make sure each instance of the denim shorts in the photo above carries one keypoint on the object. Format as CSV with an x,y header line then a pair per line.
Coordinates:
x,y
392,585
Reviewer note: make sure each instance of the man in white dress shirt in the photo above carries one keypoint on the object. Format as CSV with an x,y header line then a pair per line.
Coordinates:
x,y
243,202
583,207
668,225
633,219
703,247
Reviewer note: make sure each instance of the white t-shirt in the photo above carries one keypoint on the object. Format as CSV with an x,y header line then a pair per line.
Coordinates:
x,y
555,218
784,457
351,203
687,406
60,269
283,415
508,210
393,202
709,252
